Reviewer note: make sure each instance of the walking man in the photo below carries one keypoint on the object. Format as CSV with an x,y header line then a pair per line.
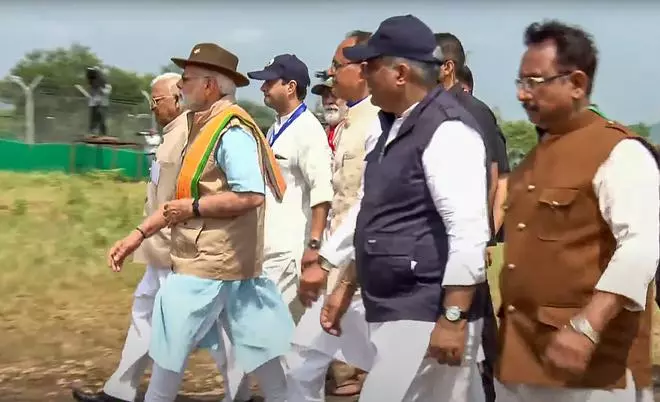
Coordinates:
x,y
334,110
155,251
421,228
313,349
294,227
217,222
582,245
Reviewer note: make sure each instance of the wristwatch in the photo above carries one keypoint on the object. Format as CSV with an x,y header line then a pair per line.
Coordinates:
x,y
454,314
314,244
583,326
195,208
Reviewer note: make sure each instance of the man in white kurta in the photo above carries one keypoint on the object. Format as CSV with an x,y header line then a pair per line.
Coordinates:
x,y
155,252
294,227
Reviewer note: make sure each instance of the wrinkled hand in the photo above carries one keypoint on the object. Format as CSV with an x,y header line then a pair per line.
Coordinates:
x,y
122,249
335,307
177,211
568,353
447,343
312,283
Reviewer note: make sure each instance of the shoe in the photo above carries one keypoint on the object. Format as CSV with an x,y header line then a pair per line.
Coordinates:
x,y
81,396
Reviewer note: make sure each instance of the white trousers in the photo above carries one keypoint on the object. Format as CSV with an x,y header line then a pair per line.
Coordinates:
x,y
314,350
283,270
124,382
531,393
165,384
401,372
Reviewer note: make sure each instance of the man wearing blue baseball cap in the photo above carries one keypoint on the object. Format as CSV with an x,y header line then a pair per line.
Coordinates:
x,y
421,227
294,227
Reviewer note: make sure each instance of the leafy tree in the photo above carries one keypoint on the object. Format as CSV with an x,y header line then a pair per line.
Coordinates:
x,y
171,68
641,129
262,115
61,112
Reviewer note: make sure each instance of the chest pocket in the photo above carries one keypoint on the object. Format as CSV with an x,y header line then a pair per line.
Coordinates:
x,y
555,206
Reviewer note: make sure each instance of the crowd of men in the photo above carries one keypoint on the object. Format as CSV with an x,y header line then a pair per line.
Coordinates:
x,y
380,225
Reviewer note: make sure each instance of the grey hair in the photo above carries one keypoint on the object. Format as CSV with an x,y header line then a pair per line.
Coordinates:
x,y
166,76
425,73
226,85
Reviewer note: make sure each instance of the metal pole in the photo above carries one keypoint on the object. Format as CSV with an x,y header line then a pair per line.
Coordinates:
x,y
28,90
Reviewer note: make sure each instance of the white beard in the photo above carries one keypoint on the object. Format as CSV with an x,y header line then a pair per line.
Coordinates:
x,y
332,116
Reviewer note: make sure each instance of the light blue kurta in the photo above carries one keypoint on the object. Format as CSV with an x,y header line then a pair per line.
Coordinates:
x,y
188,310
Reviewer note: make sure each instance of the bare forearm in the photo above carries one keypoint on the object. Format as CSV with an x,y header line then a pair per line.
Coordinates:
x,y
319,219
602,308
494,176
229,204
153,223
459,296
348,277
498,203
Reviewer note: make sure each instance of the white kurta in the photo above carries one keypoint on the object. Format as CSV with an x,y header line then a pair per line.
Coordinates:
x,y
305,159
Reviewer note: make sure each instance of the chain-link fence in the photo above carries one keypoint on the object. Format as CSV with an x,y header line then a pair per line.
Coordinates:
x,y
66,119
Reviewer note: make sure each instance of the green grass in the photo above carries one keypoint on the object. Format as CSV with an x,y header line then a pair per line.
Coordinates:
x,y
59,303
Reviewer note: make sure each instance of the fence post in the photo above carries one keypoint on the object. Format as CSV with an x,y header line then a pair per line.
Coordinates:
x,y
28,90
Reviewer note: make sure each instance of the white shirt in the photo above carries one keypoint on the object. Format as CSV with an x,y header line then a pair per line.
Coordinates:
x,y
628,188
460,199
305,159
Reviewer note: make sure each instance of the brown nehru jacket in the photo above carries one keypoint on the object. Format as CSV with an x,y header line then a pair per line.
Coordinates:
x,y
556,249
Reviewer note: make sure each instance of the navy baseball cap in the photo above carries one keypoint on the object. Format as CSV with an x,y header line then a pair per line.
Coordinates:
x,y
401,36
286,67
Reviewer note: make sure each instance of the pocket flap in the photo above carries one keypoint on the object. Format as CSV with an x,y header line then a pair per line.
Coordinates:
x,y
557,197
556,317
394,245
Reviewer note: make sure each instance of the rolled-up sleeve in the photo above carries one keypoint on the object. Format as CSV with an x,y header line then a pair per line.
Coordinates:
x,y
315,161
238,157
338,249
455,168
627,185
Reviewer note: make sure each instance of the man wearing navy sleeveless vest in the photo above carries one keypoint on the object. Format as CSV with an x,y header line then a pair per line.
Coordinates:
x,y
422,225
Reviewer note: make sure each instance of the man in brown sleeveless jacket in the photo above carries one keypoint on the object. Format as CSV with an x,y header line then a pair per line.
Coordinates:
x,y
155,252
582,245
216,219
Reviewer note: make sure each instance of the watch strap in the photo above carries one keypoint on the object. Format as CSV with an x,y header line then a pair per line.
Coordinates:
x,y
195,208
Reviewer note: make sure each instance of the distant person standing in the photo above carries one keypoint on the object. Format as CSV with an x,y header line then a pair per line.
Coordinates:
x,y
99,100
334,110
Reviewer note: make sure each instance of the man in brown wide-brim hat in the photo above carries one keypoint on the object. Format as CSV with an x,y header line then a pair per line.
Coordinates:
x,y
216,221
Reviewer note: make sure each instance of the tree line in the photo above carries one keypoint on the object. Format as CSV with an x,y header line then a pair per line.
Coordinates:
x,y
61,113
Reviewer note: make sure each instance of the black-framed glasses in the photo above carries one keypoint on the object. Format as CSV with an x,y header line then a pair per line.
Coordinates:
x,y
531,83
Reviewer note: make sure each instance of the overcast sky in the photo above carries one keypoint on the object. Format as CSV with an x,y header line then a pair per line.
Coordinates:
x,y
143,34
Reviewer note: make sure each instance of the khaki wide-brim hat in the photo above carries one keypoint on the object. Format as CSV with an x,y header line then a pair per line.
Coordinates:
x,y
213,57
320,88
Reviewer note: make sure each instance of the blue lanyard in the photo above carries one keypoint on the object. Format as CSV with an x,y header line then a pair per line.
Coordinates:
x,y
287,123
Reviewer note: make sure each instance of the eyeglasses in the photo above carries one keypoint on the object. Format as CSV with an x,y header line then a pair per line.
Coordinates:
x,y
531,83
336,65
153,102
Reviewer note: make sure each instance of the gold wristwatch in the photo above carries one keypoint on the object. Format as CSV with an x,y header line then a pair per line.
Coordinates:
x,y
325,264
581,325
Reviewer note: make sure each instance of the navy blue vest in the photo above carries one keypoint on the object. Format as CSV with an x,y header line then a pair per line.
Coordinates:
x,y
398,224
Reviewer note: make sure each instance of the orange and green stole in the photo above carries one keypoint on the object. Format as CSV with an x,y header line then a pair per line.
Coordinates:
x,y
199,152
